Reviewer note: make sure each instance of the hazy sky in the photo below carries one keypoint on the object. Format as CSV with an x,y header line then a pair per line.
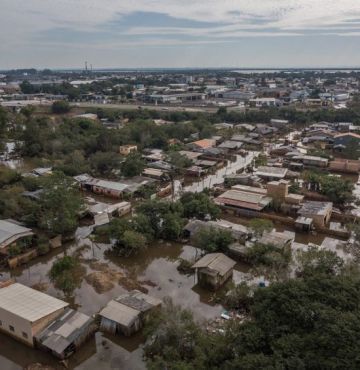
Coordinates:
x,y
179,33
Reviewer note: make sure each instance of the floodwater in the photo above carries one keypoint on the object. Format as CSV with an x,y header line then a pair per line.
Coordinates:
x,y
155,269
217,178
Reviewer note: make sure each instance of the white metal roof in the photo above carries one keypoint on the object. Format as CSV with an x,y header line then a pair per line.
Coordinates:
x,y
118,312
28,303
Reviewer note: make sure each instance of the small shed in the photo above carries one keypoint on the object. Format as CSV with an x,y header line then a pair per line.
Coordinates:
x,y
66,334
126,313
214,269
278,239
303,223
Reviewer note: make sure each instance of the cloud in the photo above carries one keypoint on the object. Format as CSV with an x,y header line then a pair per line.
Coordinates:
x,y
104,24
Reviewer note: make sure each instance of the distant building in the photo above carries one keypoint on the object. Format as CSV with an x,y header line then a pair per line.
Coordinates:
x,y
343,140
127,149
271,173
213,270
25,312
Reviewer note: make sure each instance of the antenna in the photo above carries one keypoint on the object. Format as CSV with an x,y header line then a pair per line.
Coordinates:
x,y
86,67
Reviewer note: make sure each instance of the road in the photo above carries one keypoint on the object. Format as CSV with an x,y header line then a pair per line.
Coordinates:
x,y
164,108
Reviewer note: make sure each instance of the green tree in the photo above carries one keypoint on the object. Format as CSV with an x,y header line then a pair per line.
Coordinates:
x,y
61,205
172,226
200,206
259,226
66,274
60,107
130,243
133,165
211,239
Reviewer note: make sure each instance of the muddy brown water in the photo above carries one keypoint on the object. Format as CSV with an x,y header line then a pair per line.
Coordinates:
x,y
156,268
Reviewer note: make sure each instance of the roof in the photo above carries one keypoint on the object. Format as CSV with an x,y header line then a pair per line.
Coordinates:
x,y
244,199
357,136
27,303
229,144
10,231
204,143
315,208
118,186
271,171
250,189
277,239
126,308
119,313
217,262
64,331
189,154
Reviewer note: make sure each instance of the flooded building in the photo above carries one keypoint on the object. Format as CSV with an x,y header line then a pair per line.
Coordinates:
x,y
12,233
125,314
242,200
25,312
319,212
278,239
214,269
127,149
66,334
271,173
238,232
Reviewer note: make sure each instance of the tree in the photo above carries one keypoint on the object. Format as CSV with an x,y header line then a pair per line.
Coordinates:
x,y
172,226
178,161
104,163
211,239
259,226
133,165
130,243
66,274
60,107
61,205
200,206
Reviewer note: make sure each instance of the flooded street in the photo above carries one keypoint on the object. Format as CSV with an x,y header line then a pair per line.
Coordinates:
x,y
218,178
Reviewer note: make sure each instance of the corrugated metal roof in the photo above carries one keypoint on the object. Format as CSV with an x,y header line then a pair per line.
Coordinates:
x,y
119,313
64,331
10,229
28,303
217,262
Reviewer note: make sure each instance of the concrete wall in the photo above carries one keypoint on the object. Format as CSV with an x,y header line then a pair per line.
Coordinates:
x,y
22,328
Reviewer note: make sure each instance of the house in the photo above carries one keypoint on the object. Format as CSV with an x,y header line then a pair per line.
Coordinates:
x,y
346,139
195,171
12,233
279,190
213,270
277,239
127,149
345,165
243,200
156,173
104,187
230,145
126,313
154,155
193,156
279,123
116,209
238,231
66,334
319,212
311,161
271,173
201,145
303,223
25,312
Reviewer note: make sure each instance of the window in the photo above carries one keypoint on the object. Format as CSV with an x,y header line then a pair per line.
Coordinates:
x,y
25,335
11,328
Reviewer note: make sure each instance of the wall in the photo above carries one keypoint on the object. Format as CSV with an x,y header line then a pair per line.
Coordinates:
x,y
20,325
39,325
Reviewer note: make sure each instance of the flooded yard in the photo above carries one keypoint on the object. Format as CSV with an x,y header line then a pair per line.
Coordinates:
x,y
154,270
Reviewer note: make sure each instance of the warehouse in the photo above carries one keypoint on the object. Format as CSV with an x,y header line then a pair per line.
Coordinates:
x,y
25,312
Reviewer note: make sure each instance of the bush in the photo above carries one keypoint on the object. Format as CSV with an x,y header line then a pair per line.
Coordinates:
x,y
60,107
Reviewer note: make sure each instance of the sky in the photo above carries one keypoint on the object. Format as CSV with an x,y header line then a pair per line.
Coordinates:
x,y
179,33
